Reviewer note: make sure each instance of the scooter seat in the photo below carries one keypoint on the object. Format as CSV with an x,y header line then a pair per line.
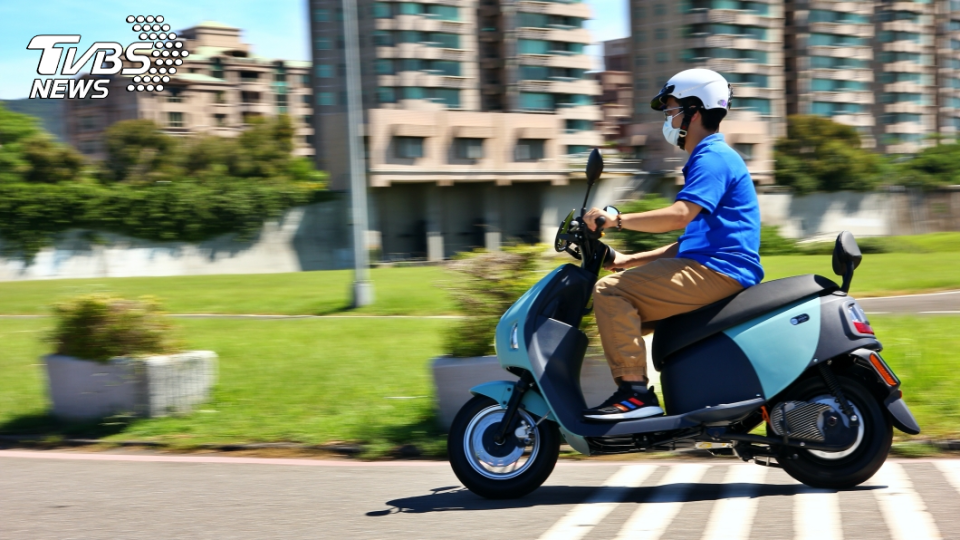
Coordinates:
x,y
677,332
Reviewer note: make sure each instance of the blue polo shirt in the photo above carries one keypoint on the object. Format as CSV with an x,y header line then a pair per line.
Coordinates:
x,y
725,236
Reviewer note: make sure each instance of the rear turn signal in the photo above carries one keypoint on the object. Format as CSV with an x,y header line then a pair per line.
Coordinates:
x,y
859,320
883,370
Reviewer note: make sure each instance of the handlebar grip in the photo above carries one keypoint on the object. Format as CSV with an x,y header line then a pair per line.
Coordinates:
x,y
600,221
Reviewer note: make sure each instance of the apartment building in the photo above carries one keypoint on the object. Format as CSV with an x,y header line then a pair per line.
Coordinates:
x,y
472,111
616,87
743,40
217,90
830,63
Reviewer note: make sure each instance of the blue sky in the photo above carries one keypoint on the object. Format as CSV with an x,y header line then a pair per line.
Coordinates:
x,y
275,29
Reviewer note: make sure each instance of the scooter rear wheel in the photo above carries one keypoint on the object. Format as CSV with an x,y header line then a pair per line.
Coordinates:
x,y
851,467
505,471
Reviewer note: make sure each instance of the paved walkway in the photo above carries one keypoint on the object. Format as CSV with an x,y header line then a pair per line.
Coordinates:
x,y
73,495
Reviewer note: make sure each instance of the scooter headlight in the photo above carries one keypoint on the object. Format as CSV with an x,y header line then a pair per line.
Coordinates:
x,y
514,341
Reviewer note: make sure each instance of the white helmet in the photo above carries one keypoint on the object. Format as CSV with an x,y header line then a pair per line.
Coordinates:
x,y
706,84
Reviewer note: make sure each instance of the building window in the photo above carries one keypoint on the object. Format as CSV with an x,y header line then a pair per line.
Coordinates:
x,y
308,140
662,57
383,38
759,105
534,73
408,147
465,148
640,60
413,92
572,126
384,66
326,99
443,39
536,101
745,150
448,96
578,149
249,97
386,95
305,99
323,44
533,46
216,70
442,12
175,120
324,71
87,123
529,150
641,84
176,95
220,97
659,9
220,119
321,15
304,79
249,76
381,10
660,34
282,103
411,8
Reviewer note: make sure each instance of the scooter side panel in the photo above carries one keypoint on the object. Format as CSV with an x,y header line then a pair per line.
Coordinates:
x,y
781,344
513,323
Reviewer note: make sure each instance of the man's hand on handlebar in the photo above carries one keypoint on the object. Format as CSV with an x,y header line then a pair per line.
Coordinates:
x,y
590,218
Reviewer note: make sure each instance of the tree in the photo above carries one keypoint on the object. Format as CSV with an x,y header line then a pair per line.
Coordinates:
x,y
933,167
28,154
138,150
819,154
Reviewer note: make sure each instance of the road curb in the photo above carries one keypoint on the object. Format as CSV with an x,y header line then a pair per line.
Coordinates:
x,y
343,449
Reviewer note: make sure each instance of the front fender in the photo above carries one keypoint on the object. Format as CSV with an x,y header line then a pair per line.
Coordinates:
x,y
500,391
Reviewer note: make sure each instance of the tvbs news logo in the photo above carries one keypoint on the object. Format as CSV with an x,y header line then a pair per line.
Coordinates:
x,y
150,62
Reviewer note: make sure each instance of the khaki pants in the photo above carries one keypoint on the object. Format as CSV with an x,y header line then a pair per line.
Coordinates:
x,y
661,289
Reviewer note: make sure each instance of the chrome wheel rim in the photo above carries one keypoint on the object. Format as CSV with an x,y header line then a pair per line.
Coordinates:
x,y
831,402
506,461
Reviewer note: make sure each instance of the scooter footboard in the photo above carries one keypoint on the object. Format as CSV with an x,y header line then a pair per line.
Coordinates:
x,y
500,391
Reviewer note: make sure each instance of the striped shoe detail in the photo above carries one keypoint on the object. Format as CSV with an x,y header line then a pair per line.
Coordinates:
x,y
621,407
636,402
628,405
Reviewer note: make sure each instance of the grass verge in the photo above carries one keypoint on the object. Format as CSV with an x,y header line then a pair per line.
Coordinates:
x,y
305,381
397,291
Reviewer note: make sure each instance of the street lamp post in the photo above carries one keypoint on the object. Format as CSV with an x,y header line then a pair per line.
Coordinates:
x,y
362,286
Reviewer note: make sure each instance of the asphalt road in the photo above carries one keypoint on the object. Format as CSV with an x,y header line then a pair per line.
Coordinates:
x,y
942,303
91,496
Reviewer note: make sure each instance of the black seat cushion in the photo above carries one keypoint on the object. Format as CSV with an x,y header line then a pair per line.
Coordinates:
x,y
677,332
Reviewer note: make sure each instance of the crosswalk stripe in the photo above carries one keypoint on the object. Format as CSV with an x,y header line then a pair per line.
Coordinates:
x,y
950,471
732,514
816,515
902,508
581,519
652,518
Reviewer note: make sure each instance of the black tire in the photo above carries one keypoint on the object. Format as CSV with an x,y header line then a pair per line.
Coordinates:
x,y
857,467
532,476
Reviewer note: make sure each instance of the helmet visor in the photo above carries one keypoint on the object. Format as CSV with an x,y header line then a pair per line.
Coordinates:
x,y
659,102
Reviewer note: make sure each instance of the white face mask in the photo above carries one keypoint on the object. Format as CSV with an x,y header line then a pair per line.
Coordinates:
x,y
670,133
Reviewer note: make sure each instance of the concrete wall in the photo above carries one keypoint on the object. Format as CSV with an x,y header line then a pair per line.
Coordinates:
x,y
314,237
863,214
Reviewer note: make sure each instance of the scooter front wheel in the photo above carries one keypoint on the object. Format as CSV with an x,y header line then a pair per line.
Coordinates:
x,y
514,468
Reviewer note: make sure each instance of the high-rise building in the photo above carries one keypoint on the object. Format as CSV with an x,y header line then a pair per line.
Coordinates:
x,y
471,109
616,85
742,40
830,63
217,90
948,68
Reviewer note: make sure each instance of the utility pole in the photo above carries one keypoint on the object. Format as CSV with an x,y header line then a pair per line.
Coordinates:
x,y
362,286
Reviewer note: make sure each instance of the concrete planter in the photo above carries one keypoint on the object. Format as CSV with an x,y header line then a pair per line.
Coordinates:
x,y
454,377
146,387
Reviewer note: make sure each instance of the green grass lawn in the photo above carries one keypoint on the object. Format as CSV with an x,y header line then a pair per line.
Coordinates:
x,y
316,381
307,380
398,291
878,274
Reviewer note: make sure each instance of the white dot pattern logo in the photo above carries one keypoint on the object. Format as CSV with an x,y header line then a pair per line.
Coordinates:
x,y
163,41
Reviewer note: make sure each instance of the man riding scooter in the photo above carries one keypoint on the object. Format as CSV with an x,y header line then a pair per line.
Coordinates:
x,y
717,255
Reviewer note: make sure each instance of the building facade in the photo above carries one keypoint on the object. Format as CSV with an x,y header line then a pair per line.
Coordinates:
x,y
742,40
220,87
616,91
472,109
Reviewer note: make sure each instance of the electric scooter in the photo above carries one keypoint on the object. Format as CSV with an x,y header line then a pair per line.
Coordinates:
x,y
795,354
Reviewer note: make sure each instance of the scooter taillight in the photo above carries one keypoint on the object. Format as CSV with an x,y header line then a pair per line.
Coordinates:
x,y
859,319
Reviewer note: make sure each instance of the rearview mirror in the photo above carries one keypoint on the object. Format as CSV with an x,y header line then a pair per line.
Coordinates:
x,y
594,167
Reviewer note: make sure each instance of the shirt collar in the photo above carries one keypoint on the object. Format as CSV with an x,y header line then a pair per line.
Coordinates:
x,y
706,141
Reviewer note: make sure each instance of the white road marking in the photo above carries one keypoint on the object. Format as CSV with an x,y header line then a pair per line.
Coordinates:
x,y
951,471
939,312
652,518
901,507
816,515
582,518
732,515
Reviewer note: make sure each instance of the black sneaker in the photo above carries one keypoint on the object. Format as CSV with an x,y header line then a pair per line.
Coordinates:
x,y
627,403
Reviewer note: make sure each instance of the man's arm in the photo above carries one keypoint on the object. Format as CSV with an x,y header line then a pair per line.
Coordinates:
x,y
639,259
676,216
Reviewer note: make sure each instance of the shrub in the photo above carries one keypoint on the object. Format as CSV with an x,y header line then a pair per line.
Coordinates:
x,y
486,285
771,243
100,327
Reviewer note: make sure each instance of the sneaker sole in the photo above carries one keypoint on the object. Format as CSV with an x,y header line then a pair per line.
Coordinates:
x,y
644,412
